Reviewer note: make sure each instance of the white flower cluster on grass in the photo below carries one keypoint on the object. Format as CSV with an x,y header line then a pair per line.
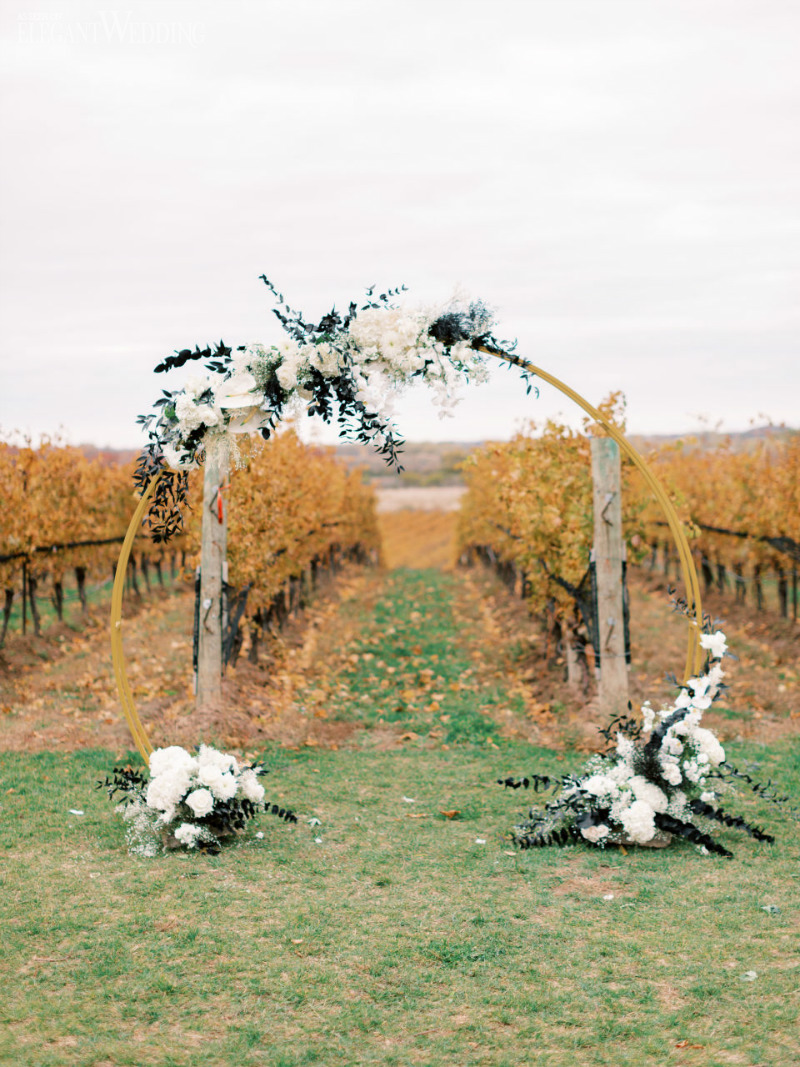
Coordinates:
x,y
382,350
685,757
183,794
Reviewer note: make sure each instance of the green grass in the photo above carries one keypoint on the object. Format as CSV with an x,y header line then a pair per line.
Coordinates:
x,y
393,940
409,664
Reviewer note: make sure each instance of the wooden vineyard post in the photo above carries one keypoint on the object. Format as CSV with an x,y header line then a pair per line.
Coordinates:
x,y
212,565
608,556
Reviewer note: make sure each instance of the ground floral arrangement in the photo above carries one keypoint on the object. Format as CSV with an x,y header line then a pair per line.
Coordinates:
x,y
346,366
661,777
199,801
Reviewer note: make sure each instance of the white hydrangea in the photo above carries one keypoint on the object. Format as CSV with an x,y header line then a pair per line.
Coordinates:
x,y
222,785
638,822
199,382
649,793
672,744
599,785
709,746
192,415
188,834
251,788
201,802
166,790
212,757
692,770
173,758
670,768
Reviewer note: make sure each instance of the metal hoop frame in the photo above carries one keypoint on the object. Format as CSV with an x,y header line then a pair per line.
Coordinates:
x,y
694,655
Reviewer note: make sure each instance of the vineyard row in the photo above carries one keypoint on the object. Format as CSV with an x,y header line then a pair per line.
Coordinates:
x,y
292,510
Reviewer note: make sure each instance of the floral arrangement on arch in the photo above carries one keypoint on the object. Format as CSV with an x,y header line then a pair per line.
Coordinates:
x,y
661,777
189,801
345,366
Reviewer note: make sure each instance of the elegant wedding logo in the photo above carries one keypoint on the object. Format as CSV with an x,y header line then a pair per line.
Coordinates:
x,y
110,27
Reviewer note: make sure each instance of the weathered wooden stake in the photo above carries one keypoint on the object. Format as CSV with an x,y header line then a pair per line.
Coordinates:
x,y
608,554
212,560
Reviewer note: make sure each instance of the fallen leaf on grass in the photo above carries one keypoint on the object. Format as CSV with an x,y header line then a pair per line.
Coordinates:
x,y
418,815
686,1044
450,814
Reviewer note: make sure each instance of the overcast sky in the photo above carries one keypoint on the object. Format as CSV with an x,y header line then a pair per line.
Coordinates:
x,y
619,178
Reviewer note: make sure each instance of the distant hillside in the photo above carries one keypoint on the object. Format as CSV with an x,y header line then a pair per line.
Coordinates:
x,y
436,463
425,463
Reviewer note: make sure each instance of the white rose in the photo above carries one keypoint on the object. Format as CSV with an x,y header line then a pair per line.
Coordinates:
x,y
178,459
201,802
595,833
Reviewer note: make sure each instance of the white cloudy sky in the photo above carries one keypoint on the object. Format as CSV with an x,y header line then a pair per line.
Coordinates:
x,y
618,177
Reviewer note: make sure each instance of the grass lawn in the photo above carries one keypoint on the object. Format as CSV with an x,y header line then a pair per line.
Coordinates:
x,y
394,939
389,933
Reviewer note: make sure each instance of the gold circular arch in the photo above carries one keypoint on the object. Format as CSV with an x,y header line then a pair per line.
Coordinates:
x,y
694,655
